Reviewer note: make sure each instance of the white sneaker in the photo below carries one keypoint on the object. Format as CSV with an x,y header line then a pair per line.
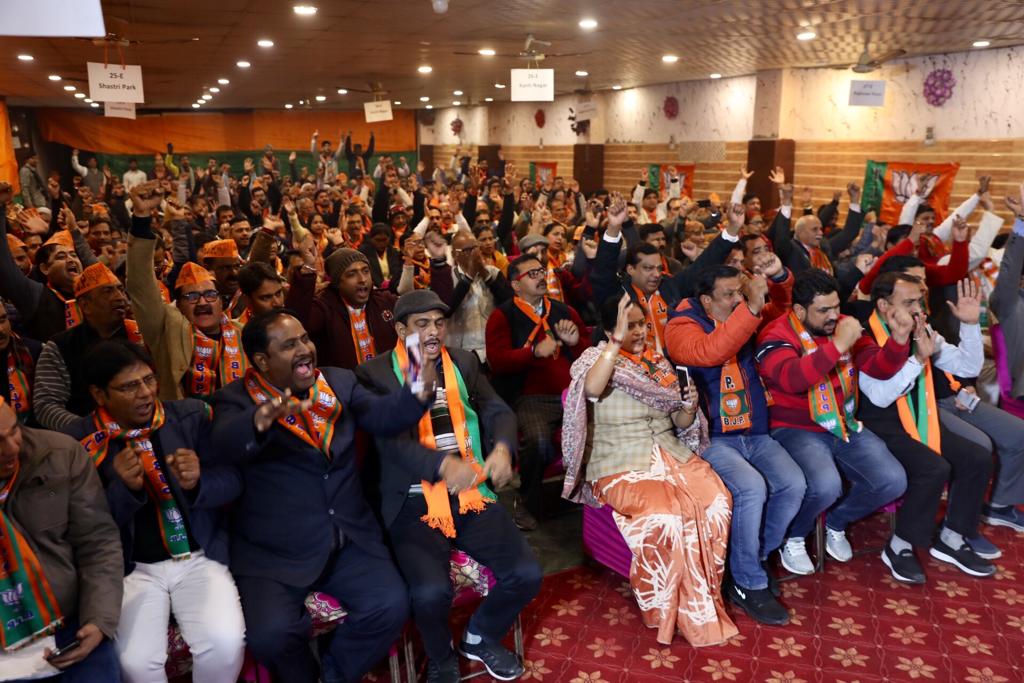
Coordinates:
x,y
794,557
837,546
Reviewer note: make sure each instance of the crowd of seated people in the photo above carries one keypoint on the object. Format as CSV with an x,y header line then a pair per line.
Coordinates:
x,y
226,391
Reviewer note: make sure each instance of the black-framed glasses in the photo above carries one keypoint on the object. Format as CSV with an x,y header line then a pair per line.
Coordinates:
x,y
210,295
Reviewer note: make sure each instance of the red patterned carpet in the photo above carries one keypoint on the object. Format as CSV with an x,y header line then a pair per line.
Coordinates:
x,y
852,623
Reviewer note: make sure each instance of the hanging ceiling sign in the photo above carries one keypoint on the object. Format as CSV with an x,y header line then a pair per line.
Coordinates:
x,y
56,18
115,83
378,111
533,85
119,110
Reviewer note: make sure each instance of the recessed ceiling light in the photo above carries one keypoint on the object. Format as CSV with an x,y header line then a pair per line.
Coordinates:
x,y
588,24
88,100
424,99
499,86
195,106
670,59
981,43
456,103
54,77
26,58
806,35
715,76
288,106
223,81
242,64
321,98
214,89
302,101
206,97
457,92
486,52
425,68
70,88
94,105
304,10
79,95
265,43
581,73
430,106
397,103
616,87
342,91
488,99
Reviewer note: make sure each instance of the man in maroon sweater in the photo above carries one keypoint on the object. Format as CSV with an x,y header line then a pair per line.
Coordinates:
x,y
532,341
809,361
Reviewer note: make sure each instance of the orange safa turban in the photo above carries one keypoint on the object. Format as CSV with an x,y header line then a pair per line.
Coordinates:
x,y
192,274
96,275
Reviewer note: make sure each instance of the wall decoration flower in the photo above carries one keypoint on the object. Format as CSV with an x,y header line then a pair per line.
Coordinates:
x,y
670,108
456,126
938,87
539,118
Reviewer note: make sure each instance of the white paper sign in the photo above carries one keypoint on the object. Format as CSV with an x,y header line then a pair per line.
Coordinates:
x,y
378,111
115,83
78,18
119,110
533,85
586,110
867,93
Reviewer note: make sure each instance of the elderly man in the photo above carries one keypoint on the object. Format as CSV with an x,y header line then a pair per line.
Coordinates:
x,y
61,556
221,257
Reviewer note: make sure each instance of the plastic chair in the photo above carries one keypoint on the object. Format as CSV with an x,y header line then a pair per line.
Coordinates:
x,y
472,581
1007,401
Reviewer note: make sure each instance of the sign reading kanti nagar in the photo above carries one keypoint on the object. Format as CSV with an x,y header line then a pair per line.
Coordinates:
x,y
115,83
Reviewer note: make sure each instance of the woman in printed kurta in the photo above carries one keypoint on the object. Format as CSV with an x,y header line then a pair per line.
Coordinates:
x,y
631,442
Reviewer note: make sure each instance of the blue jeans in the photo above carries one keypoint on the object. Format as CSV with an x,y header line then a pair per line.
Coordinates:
x,y
101,666
875,476
766,487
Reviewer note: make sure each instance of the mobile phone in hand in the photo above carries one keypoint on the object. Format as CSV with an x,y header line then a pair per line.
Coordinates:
x,y
61,651
413,374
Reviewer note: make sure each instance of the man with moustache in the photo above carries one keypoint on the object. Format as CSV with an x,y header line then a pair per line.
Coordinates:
x,y
61,392
195,345
221,257
19,355
289,426
434,494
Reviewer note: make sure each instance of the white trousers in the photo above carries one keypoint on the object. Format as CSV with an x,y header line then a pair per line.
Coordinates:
x,y
202,596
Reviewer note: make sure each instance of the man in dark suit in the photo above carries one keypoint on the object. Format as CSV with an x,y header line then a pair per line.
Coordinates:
x,y
302,522
434,494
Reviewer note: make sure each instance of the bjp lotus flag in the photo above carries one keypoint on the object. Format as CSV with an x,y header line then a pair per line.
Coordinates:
x,y
658,178
888,185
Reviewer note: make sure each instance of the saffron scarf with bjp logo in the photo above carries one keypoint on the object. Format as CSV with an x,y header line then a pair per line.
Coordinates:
x,y
825,408
314,426
466,426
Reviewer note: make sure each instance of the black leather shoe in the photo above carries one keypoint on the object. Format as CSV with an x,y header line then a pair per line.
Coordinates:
x,y
963,558
759,604
500,662
904,565
522,517
444,671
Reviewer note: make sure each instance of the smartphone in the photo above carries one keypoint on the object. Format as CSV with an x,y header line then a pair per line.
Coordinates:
x,y
61,651
684,375
966,398
413,374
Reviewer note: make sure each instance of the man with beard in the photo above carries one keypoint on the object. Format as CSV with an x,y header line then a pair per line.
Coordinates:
x,y
152,457
531,343
221,257
290,428
195,345
350,321
809,360
61,392
18,355
435,497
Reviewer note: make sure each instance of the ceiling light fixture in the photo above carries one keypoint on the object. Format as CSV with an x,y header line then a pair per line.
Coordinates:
x,y
79,95
981,43
456,103
487,52
70,88
806,35
440,6
26,58
54,77
397,103
214,89
588,24
715,76
207,97
301,102
670,59
581,73
457,93
88,101
616,87
223,81
430,106
94,105
499,86
425,69
195,106
288,106
321,98
242,64
488,99
304,10
424,99
342,91
265,43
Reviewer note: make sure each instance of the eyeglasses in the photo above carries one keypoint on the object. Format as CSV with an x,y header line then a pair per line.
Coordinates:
x,y
210,295
465,251
532,274
133,388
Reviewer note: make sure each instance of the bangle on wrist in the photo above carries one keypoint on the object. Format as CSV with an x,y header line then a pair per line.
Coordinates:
x,y
615,340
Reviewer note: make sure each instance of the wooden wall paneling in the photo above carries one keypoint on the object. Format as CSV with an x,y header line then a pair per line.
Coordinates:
x,y
623,163
762,157
588,167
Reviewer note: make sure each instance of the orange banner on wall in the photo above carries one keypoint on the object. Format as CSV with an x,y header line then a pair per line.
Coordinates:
x,y
216,132
8,162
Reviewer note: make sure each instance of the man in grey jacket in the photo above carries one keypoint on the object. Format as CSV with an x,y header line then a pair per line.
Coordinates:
x,y
32,184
